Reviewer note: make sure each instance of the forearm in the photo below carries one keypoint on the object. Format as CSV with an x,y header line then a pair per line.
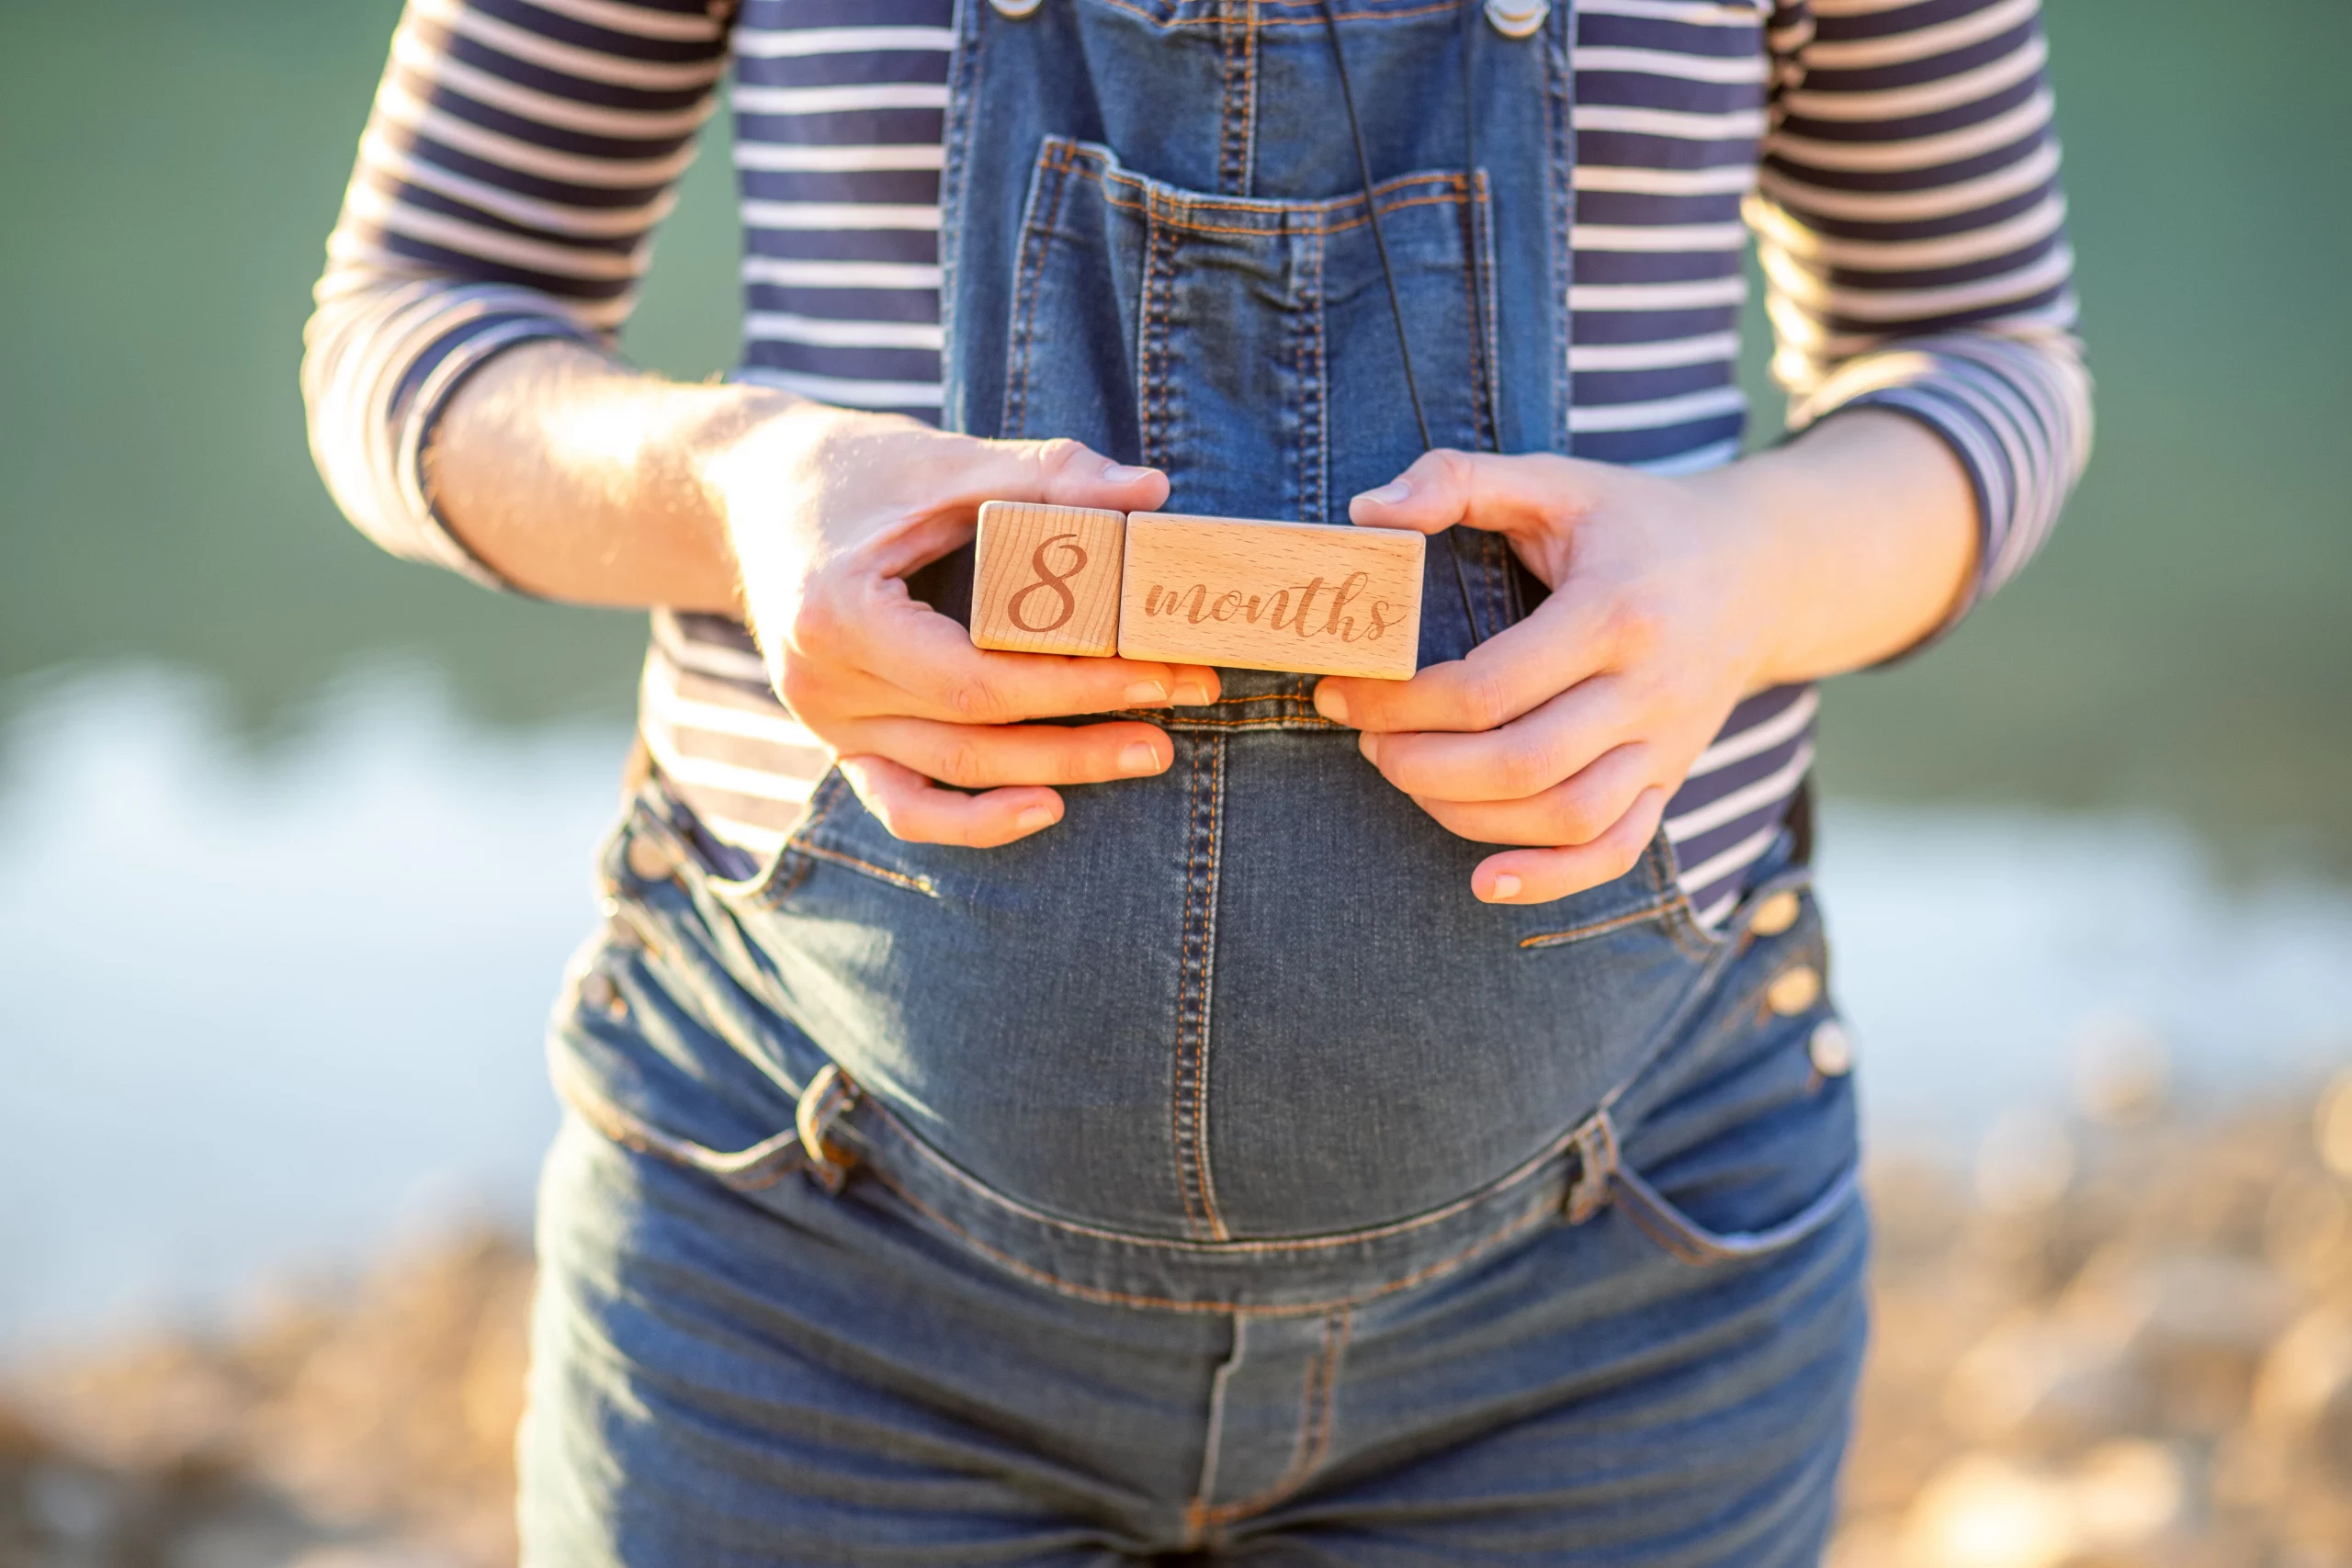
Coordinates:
x,y
1866,535
577,479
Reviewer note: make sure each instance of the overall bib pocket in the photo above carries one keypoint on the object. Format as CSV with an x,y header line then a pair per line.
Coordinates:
x,y
1247,348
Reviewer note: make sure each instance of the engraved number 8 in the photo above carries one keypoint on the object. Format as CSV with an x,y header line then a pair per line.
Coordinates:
x,y
1052,582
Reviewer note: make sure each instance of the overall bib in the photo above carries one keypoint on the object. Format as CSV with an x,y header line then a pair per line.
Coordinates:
x,y
1233,1050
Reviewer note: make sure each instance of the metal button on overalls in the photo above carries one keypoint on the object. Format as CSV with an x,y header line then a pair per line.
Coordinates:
x,y
1512,19
1793,991
1831,1049
1774,915
1014,8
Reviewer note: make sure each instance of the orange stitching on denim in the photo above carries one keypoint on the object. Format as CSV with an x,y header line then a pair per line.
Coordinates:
x,y
1280,721
1056,162
1202,1170
1314,1440
1170,208
1315,477
1528,1169
1535,1214
1160,262
923,884
1311,21
1597,927
1237,130
1179,1145
1175,219
1189,1103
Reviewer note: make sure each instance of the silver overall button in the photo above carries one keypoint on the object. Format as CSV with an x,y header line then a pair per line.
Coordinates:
x,y
1512,19
1015,7
1832,1049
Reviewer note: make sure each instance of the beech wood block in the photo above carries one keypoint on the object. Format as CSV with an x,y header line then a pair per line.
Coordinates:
x,y
1047,578
1313,597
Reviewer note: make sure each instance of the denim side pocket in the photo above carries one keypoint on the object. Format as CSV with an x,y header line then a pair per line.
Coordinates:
x,y
1746,1144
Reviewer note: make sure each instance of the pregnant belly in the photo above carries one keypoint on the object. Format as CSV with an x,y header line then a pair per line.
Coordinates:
x,y
1252,997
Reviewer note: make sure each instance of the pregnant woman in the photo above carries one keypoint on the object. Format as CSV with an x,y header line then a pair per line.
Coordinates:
x,y
1030,1110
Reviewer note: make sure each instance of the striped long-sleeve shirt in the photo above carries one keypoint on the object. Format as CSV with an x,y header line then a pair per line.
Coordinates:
x,y
1894,160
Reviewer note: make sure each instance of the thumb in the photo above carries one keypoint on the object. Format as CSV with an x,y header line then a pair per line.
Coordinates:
x,y
1063,472
1519,496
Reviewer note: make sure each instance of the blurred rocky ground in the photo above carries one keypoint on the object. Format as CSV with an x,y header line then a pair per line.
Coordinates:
x,y
2124,1340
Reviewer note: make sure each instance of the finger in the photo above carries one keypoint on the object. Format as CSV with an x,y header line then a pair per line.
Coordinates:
x,y
1576,811
992,756
915,809
962,474
1508,674
1480,489
1538,876
1512,762
931,659
1063,472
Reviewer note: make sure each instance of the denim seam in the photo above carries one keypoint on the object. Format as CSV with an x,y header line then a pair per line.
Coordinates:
x,y
1597,927
1314,1440
1190,1110
1053,164
1169,205
1531,1169
923,884
1299,721
1312,452
1158,267
1322,392
1536,1213
1312,20
1688,1242
1238,129
1478,264
957,138
751,1170
1560,98
1162,215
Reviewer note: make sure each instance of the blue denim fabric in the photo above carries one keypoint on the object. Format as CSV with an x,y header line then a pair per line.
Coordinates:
x,y
1637,1350
1211,1172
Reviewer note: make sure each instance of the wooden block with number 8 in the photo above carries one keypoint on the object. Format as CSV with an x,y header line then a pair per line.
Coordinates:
x,y
1047,578
1313,597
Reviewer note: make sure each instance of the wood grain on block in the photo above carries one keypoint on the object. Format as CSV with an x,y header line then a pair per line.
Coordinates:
x,y
1307,596
1047,578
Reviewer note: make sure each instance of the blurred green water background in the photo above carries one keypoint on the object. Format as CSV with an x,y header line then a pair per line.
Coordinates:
x,y
2182,648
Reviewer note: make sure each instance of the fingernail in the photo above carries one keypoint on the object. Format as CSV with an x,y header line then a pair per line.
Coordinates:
x,y
1388,494
1036,816
1330,704
1144,693
1505,886
1138,757
1192,694
1122,474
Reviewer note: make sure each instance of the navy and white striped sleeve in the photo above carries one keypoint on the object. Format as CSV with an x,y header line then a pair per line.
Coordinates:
x,y
517,158
1911,229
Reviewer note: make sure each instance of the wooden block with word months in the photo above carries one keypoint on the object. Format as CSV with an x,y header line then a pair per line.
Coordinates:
x,y
1047,578
1308,596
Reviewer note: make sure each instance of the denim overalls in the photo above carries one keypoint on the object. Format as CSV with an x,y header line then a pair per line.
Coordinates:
x,y
1171,1178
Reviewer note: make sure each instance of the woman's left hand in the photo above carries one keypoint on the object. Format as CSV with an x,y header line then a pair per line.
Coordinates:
x,y
1569,731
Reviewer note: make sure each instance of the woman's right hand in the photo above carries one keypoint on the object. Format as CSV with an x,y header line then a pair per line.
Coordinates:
x,y
829,511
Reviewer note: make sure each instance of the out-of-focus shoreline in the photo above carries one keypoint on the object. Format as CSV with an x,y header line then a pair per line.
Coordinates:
x,y
2123,1341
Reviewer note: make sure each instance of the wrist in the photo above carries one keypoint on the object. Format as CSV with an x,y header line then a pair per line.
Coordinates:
x,y
1759,543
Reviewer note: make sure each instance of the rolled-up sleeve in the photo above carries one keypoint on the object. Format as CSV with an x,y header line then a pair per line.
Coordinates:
x,y
1912,234
517,158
